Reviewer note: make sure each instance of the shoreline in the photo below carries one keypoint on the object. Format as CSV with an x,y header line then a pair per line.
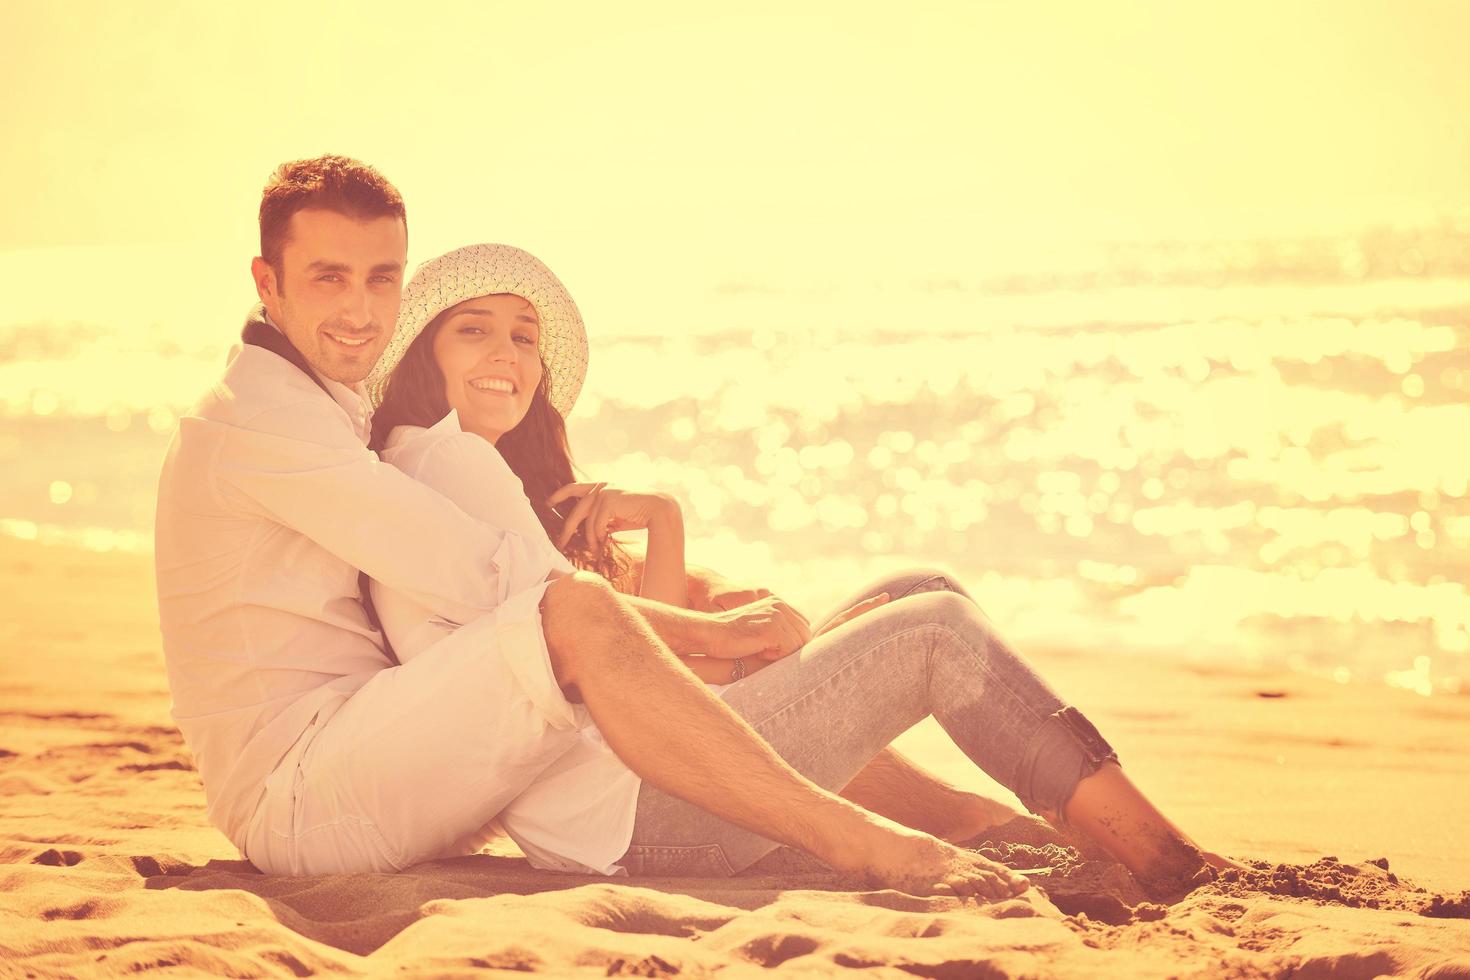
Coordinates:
x,y
138,543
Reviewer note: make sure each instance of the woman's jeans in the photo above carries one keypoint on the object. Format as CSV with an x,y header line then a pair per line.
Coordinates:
x,y
835,704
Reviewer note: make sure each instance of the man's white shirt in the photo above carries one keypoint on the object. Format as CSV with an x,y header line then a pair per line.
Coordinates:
x,y
269,503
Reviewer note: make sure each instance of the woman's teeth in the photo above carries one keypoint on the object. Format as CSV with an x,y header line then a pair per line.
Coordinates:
x,y
493,384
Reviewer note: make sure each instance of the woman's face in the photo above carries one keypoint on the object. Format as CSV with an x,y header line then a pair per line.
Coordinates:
x,y
487,351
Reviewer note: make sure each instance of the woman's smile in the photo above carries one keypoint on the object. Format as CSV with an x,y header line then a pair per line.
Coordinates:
x,y
487,349
499,386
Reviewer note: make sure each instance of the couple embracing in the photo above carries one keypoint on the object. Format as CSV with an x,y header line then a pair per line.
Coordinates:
x,y
395,624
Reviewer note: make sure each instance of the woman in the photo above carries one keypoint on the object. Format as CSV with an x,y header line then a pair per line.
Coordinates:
x,y
490,351
519,407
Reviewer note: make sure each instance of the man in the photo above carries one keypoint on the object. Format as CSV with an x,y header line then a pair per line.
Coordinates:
x,y
316,752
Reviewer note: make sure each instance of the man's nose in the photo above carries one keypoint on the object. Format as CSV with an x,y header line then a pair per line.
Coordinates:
x,y
355,308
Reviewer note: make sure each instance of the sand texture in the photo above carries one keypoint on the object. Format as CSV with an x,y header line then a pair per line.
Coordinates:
x,y
1350,804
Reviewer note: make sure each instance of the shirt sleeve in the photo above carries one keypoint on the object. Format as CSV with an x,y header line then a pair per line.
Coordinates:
x,y
299,466
469,471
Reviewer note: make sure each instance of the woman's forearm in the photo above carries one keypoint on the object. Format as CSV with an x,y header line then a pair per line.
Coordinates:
x,y
700,583
663,574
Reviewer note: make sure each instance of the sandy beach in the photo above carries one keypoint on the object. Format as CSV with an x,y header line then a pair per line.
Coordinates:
x,y
110,867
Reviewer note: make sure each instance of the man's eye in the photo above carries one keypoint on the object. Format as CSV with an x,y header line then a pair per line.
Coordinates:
x,y
329,277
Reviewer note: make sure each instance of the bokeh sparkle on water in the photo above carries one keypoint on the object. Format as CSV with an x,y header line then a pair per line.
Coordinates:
x,y
1235,472
1268,490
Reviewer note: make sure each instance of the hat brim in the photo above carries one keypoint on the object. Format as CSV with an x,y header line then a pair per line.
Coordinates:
x,y
483,270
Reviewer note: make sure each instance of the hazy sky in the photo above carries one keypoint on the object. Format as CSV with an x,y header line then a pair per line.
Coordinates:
x,y
625,141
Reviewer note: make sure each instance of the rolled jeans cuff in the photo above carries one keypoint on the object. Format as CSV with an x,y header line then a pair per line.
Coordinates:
x,y
1066,749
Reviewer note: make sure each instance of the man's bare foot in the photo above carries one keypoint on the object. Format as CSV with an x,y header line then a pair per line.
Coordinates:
x,y
909,861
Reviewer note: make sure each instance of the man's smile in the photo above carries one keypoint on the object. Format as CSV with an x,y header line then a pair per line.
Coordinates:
x,y
348,341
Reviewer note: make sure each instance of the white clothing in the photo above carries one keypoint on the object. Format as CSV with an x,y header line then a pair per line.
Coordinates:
x,y
269,503
415,764
578,814
467,470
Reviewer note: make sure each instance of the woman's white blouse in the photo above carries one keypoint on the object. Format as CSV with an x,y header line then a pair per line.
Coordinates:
x,y
578,815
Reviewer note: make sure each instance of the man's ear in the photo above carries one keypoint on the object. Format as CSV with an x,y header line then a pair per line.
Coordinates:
x,y
266,286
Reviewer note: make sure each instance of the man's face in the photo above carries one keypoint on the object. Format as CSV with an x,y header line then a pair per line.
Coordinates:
x,y
336,294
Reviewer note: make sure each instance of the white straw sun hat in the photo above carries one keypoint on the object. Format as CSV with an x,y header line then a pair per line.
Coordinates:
x,y
480,270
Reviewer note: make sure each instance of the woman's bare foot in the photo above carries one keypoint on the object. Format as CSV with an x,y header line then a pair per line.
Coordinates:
x,y
1169,883
1108,809
974,816
1033,831
1220,862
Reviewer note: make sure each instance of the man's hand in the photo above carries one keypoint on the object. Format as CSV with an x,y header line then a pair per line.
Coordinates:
x,y
727,596
709,591
766,628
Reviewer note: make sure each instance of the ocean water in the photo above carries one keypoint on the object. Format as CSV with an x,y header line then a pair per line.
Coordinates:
x,y
1260,460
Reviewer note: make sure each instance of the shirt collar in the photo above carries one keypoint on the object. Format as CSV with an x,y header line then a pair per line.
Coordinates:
x,y
404,435
353,399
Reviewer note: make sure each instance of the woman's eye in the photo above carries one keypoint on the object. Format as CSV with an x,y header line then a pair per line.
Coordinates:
x,y
470,330
524,339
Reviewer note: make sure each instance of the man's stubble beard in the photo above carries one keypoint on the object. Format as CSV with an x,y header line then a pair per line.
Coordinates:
x,y
321,350
312,344
361,367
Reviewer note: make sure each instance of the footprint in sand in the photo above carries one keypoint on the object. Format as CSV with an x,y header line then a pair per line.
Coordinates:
x,y
58,859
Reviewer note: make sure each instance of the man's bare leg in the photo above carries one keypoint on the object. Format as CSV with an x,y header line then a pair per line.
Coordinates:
x,y
674,733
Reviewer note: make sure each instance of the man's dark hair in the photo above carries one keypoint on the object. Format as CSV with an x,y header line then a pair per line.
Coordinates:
x,y
332,183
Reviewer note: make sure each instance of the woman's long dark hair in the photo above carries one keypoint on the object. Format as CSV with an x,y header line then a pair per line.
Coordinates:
x,y
536,449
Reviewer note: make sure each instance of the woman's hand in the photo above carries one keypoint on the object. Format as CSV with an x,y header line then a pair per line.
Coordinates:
x,y
767,628
602,510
